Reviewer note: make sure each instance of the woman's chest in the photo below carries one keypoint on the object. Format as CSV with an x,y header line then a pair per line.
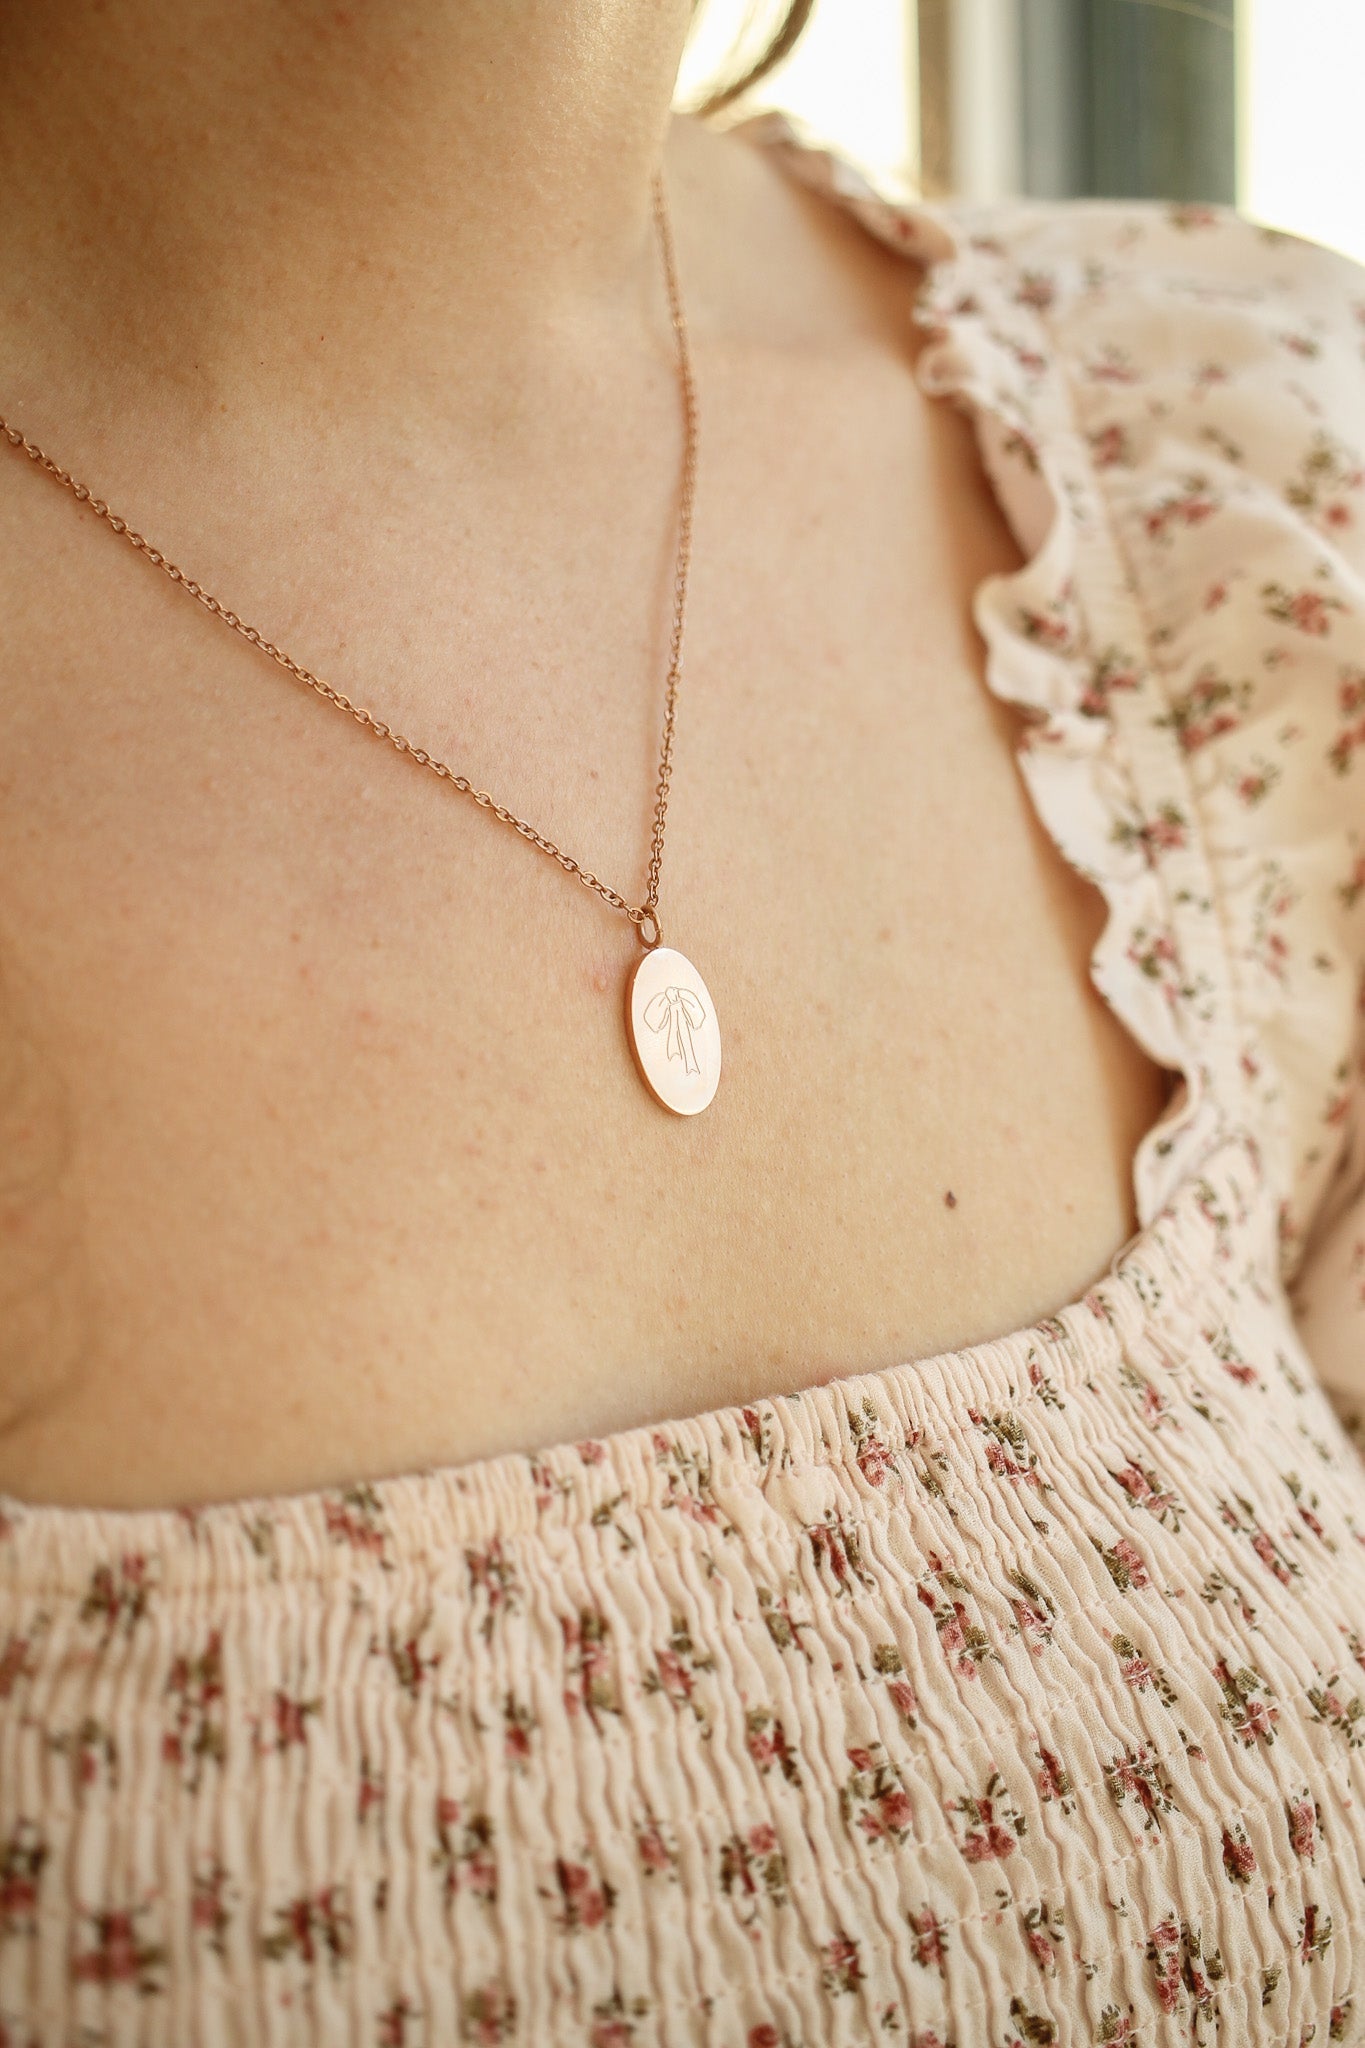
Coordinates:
x,y
332,1155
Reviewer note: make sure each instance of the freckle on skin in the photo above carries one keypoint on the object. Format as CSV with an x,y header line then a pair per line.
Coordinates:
x,y
885,933
599,979
950,1199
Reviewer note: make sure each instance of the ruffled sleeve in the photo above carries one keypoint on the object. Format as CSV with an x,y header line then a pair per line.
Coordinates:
x,y
1218,372
1169,401
1215,375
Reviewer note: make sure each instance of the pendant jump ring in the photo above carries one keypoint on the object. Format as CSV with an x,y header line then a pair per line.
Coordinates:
x,y
647,917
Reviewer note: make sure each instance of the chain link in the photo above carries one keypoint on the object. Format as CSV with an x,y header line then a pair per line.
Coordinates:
x,y
639,914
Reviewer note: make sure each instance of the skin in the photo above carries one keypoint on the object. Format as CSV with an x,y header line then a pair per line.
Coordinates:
x,y
324,1156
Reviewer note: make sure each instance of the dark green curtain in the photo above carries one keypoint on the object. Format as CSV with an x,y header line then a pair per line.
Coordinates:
x,y
1128,99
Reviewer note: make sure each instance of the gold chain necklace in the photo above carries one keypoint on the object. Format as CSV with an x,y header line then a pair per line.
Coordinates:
x,y
670,1018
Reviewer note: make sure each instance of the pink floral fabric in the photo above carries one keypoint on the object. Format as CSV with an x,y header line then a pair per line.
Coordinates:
x,y
1015,1695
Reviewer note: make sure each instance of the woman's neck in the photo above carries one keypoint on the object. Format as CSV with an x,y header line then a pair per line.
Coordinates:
x,y
263,197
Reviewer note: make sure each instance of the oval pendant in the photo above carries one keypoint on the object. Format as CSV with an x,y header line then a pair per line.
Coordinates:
x,y
673,1033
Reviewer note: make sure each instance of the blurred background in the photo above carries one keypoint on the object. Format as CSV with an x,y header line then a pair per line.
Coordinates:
x,y
1256,103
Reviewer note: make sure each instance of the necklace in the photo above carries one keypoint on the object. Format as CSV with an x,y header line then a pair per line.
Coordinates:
x,y
670,1019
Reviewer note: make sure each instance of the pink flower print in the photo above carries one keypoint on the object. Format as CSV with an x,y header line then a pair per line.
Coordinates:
x,y
1269,1557
1334,1710
16,1662
1163,1952
873,1797
841,1966
903,1695
1239,1858
120,1954
1124,1563
1043,1935
194,1684
1137,1672
873,1460
466,1859
490,2015
1033,1611
1111,366
1179,1963
1139,1776
493,1578
1041,1947
1054,628
22,1858
585,1900
518,1722
931,1939
1302,1816
1165,832
963,1643
1212,706
90,1747
290,1718
651,1848
590,1451
895,1810
1008,1453
1036,289
1246,1703
1145,1490
753,1432
1110,446
753,1868
1117,2029
410,1667
993,1826
1051,1777
393,2023
1309,611
209,1914
1191,505
119,1593
614,2024
837,1545
763,2036
312,1925
371,1790
1113,671
355,1517
781,1624
676,1666
765,1738
1315,1934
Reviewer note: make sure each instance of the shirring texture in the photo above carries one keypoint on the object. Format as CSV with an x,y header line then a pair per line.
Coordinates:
x,y
1013,1695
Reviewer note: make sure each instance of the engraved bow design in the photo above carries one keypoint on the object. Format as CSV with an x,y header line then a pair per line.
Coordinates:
x,y
679,1012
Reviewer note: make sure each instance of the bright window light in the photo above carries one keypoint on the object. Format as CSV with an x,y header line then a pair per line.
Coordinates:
x,y
1302,165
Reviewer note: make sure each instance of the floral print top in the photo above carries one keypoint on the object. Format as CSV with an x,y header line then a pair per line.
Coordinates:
x,y
1010,1696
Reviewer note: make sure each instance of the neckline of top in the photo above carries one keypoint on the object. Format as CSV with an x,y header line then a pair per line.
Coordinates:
x,y
1151,1323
